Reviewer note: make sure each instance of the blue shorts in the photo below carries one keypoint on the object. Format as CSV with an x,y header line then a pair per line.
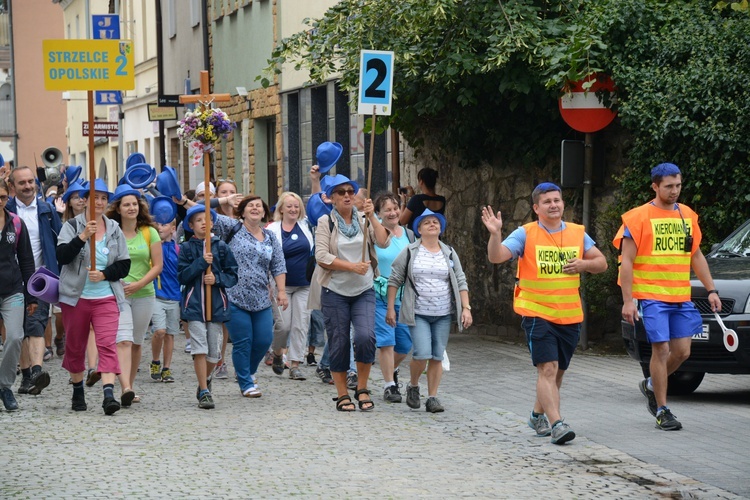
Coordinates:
x,y
664,321
549,342
386,335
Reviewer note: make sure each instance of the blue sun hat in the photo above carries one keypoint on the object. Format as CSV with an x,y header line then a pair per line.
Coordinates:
x,y
167,183
73,188
316,208
337,180
163,210
73,173
664,170
134,159
327,154
428,213
124,190
196,209
101,186
139,175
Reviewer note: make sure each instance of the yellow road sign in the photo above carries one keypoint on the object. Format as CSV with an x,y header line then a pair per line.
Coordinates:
x,y
88,64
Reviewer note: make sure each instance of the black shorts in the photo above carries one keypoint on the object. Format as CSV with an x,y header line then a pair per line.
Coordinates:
x,y
551,342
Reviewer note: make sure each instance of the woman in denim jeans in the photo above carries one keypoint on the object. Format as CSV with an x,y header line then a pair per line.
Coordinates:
x,y
434,290
342,287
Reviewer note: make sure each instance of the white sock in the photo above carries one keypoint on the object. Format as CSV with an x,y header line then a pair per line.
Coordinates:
x,y
388,384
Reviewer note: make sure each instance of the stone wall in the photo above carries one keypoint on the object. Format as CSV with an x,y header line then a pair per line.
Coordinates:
x,y
508,188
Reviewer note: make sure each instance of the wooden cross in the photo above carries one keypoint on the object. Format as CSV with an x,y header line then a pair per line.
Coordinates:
x,y
205,98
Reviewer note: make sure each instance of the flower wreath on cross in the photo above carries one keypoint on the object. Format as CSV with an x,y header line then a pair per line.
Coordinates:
x,y
202,128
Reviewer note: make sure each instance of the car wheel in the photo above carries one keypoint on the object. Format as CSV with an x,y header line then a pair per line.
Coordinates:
x,y
679,383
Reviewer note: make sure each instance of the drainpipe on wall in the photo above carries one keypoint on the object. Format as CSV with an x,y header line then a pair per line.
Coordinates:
x,y
13,87
160,82
206,60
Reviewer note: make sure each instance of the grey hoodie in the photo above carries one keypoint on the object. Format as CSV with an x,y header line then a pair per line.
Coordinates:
x,y
74,265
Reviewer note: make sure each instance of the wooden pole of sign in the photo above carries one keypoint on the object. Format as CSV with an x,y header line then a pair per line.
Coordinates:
x,y
369,183
204,99
92,178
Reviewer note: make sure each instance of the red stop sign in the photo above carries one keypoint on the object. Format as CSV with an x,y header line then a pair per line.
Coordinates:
x,y
582,110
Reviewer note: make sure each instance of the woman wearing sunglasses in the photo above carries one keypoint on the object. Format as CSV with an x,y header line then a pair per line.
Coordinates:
x,y
342,286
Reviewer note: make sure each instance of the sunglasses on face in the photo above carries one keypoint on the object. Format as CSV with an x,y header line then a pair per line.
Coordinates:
x,y
342,192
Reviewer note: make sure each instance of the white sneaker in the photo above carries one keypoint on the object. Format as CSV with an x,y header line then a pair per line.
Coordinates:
x,y
252,392
222,372
188,347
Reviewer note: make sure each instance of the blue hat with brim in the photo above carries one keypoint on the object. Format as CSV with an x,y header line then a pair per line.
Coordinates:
x,y
196,209
140,175
316,208
124,190
327,154
163,210
167,183
72,173
428,213
73,188
101,186
339,180
134,159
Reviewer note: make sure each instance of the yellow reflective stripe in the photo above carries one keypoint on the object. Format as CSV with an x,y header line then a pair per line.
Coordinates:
x,y
661,260
554,299
663,290
556,284
548,311
661,275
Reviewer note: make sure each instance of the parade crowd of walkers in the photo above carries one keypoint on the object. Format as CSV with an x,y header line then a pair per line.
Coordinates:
x,y
364,280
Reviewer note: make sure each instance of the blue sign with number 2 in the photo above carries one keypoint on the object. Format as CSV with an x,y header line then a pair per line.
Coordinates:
x,y
375,82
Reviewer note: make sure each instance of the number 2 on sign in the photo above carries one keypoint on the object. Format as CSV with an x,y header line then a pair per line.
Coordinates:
x,y
372,90
122,61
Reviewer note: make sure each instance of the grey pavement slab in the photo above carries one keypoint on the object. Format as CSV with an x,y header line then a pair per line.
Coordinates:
x,y
292,442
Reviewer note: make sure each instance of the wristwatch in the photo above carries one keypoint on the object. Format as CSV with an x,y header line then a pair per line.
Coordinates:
x,y
713,291
467,306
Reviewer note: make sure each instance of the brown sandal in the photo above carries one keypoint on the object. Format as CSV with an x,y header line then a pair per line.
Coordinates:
x,y
362,403
344,403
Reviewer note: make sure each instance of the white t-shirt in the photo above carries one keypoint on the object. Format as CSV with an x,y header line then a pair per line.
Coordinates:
x,y
432,282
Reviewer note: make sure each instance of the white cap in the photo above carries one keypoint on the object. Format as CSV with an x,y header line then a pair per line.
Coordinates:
x,y
200,188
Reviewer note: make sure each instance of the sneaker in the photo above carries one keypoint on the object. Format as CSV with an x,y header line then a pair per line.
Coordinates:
x,y
92,377
60,346
155,371
643,386
412,396
166,376
252,392
277,364
562,433
395,377
25,386
110,406
392,394
222,372
268,360
296,374
79,403
39,381
666,421
9,400
188,347
433,405
311,359
1,346
540,424
48,354
352,380
208,386
207,402
325,375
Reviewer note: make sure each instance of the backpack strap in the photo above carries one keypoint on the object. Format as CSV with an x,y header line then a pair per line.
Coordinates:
x,y
146,236
235,229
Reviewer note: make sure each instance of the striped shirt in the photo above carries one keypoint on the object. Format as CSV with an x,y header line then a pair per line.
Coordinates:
x,y
432,282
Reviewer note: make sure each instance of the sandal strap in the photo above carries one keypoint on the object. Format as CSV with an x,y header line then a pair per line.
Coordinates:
x,y
342,398
362,391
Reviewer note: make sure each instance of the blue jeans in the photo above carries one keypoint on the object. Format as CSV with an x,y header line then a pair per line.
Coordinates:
x,y
325,359
315,337
252,334
341,312
430,336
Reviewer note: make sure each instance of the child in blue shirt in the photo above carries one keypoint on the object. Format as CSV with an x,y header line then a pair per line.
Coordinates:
x,y
166,316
